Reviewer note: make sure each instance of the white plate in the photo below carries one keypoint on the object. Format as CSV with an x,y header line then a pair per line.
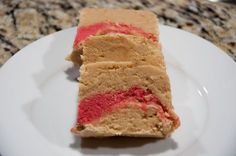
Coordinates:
x,y
38,101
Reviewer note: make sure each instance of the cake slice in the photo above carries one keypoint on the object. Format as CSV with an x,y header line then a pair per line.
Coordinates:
x,y
121,99
124,87
139,26
103,21
118,47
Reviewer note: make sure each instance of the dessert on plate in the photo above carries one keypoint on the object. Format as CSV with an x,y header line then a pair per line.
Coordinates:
x,y
124,89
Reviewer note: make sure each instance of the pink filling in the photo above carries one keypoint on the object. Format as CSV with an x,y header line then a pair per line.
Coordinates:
x,y
93,107
108,27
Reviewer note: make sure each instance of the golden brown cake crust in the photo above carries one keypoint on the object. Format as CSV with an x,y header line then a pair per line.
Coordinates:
x,y
145,20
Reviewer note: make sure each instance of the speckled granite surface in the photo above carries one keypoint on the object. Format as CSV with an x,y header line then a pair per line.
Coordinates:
x,y
23,22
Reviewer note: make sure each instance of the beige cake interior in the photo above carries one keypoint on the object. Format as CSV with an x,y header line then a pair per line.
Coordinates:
x,y
118,47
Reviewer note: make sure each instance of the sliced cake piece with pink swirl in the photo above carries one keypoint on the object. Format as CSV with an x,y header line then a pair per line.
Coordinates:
x,y
103,21
122,99
124,89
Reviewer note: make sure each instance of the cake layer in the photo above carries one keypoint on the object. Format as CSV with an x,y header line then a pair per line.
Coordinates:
x,y
144,20
128,120
118,47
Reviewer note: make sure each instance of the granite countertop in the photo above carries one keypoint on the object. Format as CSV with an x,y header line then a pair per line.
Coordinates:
x,y
24,21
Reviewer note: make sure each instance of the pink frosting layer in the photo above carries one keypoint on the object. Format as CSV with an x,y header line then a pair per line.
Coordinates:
x,y
108,27
93,107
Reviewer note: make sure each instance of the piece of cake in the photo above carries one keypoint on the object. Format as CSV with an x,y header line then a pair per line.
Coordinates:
x,y
103,21
122,99
124,87
118,47
106,21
